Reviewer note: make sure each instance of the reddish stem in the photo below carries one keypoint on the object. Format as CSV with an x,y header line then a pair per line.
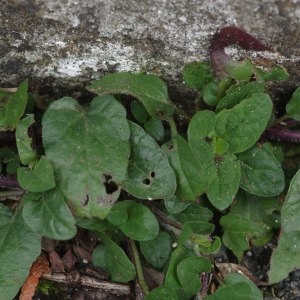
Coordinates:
x,y
228,36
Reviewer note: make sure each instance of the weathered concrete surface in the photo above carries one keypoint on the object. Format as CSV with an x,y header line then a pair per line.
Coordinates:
x,y
70,42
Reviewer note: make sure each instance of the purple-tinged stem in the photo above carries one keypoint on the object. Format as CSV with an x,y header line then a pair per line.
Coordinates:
x,y
8,181
291,136
204,284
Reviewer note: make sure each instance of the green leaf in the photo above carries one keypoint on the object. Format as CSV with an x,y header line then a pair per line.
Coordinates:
x,y
179,254
175,205
193,212
47,214
262,174
209,93
236,287
293,106
157,251
139,111
89,150
141,224
162,293
191,177
277,73
225,185
26,153
149,89
200,126
155,128
98,257
197,74
238,231
117,263
149,174
119,213
40,179
241,71
10,159
19,248
286,257
239,92
94,224
12,106
5,214
242,125
189,270
250,221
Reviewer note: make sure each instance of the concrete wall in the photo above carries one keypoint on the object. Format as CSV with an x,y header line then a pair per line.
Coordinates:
x,y
60,43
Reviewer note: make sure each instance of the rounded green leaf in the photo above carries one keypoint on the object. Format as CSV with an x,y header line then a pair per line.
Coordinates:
x,y
26,153
192,179
162,293
48,215
197,74
209,93
236,287
89,150
155,128
19,248
189,271
12,106
238,93
149,174
141,224
242,125
240,70
201,125
139,111
40,179
175,205
98,257
149,89
262,174
157,251
286,257
116,261
225,185
293,106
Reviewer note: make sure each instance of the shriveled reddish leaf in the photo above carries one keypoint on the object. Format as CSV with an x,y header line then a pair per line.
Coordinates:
x,y
38,268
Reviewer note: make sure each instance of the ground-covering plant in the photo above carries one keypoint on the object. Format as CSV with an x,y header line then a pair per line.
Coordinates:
x,y
131,173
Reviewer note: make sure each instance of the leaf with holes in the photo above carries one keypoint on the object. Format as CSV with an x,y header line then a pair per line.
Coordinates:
x,y
19,247
48,215
26,153
40,179
149,89
149,174
12,106
89,150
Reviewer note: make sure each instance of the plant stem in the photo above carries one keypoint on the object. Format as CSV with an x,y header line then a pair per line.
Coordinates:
x,y
173,126
138,267
8,181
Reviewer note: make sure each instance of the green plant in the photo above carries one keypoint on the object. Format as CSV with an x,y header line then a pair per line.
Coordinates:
x,y
175,181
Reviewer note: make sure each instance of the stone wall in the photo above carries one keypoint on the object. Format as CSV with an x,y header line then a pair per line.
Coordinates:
x,y
68,43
